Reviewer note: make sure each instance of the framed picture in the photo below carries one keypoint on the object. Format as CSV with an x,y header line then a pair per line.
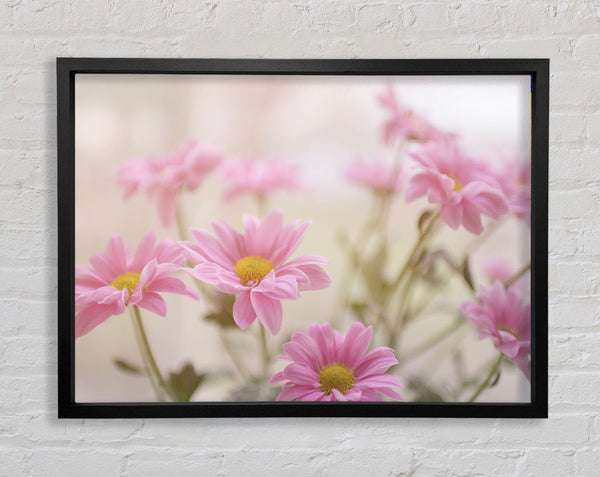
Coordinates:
x,y
276,238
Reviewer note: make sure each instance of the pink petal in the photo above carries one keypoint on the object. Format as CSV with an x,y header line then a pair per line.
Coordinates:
x,y
116,253
301,374
268,310
144,252
356,343
93,315
153,302
452,215
210,249
230,239
267,233
471,218
243,311
319,278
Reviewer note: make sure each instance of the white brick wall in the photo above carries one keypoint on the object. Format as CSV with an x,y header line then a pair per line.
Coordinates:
x,y
34,442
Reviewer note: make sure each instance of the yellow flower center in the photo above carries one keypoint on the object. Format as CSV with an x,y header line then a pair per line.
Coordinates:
x,y
457,184
128,280
336,376
253,268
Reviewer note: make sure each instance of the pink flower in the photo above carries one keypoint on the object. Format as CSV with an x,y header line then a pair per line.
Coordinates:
x,y
248,175
403,124
253,266
496,267
118,279
505,318
378,176
328,366
464,187
516,184
164,176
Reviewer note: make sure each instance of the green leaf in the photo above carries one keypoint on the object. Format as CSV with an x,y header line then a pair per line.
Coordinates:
x,y
372,272
223,315
183,384
425,216
127,367
466,273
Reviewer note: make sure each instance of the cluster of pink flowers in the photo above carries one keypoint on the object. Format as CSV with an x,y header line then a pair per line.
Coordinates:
x,y
250,176
502,315
403,124
257,265
464,188
164,176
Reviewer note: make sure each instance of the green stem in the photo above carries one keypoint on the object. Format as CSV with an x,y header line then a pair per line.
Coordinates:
x,y
427,345
261,204
180,222
517,275
235,359
265,350
416,248
160,387
487,379
206,293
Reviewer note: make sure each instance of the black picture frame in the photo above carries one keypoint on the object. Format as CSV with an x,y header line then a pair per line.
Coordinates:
x,y
68,68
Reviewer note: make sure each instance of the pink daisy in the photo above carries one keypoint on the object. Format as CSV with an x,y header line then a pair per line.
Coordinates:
x,y
262,178
403,124
164,176
464,188
118,279
328,366
253,265
505,318
378,176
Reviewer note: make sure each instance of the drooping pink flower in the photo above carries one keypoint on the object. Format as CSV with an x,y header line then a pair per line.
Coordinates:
x,y
162,177
503,316
118,279
328,366
248,175
515,181
464,187
254,266
403,124
378,176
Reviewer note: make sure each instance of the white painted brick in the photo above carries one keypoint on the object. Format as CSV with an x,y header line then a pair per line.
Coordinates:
x,y
587,461
466,462
567,128
573,204
593,130
574,313
548,462
573,430
63,461
575,389
575,351
585,50
578,279
183,463
15,461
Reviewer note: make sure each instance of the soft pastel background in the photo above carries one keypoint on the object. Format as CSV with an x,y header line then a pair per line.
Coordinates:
x,y
34,442
321,124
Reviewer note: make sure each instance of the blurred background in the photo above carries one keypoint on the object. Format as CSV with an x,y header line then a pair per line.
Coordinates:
x,y
319,123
